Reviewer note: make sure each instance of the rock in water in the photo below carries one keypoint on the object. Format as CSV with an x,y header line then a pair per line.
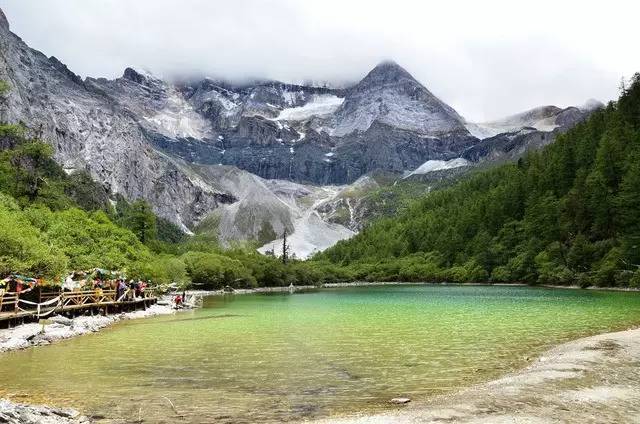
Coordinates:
x,y
400,401
59,319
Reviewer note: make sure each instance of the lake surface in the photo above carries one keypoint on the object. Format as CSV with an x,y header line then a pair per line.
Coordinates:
x,y
284,357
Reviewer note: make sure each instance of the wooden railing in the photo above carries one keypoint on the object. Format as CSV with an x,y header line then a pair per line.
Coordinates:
x,y
9,301
78,299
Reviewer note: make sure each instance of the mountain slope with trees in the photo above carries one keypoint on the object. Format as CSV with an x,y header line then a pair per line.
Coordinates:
x,y
567,214
52,223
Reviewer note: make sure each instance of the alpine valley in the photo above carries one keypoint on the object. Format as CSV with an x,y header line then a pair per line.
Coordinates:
x,y
249,161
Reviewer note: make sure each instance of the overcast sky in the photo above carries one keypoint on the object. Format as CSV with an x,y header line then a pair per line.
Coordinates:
x,y
485,58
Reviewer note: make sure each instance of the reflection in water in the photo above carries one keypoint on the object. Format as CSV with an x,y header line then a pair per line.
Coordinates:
x,y
280,357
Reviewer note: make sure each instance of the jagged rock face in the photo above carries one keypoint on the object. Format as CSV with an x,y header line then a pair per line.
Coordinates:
x,y
267,208
544,118
282,131
391,96
508,146
89,130
512,145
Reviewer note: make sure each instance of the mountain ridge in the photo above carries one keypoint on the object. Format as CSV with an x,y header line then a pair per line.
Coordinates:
x,y
142,137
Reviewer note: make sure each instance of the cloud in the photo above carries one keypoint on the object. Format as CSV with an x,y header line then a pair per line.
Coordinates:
x,y
487,59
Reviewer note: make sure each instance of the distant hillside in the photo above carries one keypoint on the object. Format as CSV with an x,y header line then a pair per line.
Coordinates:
x,y
566,214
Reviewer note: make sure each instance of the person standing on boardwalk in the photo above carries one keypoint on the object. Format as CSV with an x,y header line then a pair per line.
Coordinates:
x,y
120,289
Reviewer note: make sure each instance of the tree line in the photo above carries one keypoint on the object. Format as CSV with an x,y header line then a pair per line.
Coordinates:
x,y
568,214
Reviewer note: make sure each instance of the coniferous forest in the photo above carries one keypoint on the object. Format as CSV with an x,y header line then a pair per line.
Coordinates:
x,y
568,214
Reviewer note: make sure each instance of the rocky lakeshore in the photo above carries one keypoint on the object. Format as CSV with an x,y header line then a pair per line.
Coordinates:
x,y
61,328
594,379
15,413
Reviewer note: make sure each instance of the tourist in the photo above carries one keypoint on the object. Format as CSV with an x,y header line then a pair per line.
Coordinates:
x,y
120,289
178,301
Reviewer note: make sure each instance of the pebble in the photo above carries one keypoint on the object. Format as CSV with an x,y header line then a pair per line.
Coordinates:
x,y
400,400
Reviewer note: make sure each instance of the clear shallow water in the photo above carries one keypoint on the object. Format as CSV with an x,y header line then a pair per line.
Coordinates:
x,y
283,357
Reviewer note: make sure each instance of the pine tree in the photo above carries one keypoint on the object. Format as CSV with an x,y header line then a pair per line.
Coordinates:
x,y
285,248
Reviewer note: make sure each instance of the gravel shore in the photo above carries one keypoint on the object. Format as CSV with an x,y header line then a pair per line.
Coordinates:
x,y
61,328
590,380
15,413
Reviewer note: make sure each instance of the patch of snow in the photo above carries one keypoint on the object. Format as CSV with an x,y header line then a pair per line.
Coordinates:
x,y
487,130
437,165
319,106
541,118
178,119
291,150
329,154
223,97
220,137
292,97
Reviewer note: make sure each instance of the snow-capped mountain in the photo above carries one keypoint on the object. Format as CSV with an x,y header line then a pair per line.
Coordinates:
x,y
544,118
313,134
391,96
253,158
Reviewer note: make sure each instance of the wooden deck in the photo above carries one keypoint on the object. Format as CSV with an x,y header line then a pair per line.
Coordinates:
x,y
14,310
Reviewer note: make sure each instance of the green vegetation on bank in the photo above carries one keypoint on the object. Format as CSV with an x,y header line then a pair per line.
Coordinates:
x,y
52,223
567,214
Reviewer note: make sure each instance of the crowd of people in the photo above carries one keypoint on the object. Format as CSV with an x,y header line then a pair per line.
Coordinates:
x,y
100,280
132,288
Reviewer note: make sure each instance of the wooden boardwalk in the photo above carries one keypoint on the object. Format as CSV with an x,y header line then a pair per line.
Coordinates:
x,y
15,310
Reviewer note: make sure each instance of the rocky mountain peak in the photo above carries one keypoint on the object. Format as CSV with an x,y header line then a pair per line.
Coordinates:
x,y
139,77
391,96
386,72
65,70
4,23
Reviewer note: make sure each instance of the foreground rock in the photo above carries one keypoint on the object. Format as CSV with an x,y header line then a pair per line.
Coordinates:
x,y
61,328
13,413
596,380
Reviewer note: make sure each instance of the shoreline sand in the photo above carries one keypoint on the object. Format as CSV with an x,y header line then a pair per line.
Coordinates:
x,y
592,379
